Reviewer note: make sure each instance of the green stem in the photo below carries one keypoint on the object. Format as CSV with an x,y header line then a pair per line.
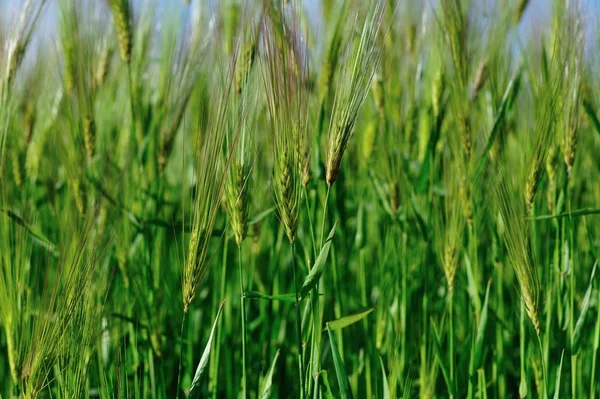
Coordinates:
x,y
132,102
539,339
312,230
571,297
324,215
214,370
180,353
451,340
523,384
243,316
596,344
298,322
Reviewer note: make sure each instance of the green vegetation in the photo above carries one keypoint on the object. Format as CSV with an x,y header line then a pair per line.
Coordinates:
x,y
250,200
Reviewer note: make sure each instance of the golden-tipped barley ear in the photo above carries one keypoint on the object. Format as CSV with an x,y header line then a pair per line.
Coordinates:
x,y
533,180
378,93
531,309
238,203
337,147
437,91
287,198
449,264
192,278
103,64
480,79
17,167
120,10
79,194
305,167
466,136
551,172
247,61
570,147
89,136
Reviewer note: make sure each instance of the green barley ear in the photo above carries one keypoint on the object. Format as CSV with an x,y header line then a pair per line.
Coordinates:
x,y
121,11
15,253
567,62
437,91
551,163
242,126
81,34
66,324
515,230
285,74
19,40
553,98
481,75
89,136
353,88
211,176
103,64
450,225
247,38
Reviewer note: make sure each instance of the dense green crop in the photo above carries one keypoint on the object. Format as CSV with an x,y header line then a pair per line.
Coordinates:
x,y
262,199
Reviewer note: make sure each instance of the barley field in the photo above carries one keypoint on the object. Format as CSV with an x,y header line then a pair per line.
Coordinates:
x,y
299,199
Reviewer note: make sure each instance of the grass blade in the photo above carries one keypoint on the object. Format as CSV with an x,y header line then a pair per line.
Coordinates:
x,y
585,306
317,270
479,338
386,387
349,320
578,212
265,391
278,297
326,387
340,369
195,387
558,374
439,355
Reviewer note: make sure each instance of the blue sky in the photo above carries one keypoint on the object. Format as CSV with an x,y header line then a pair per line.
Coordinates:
x,y
536,15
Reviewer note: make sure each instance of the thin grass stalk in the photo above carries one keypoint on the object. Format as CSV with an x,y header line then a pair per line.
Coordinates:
x,y
324,216
523,388
451,342
298,322
243,320
180,363
572,316
215,361
594,353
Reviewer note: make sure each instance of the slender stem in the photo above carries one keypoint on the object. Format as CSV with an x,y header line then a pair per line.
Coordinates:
x,y
298,322
324,215
539,339
131,101
596,344
180,353
214,370
243,316
315,353
523,383
451,340
312,230
571,295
